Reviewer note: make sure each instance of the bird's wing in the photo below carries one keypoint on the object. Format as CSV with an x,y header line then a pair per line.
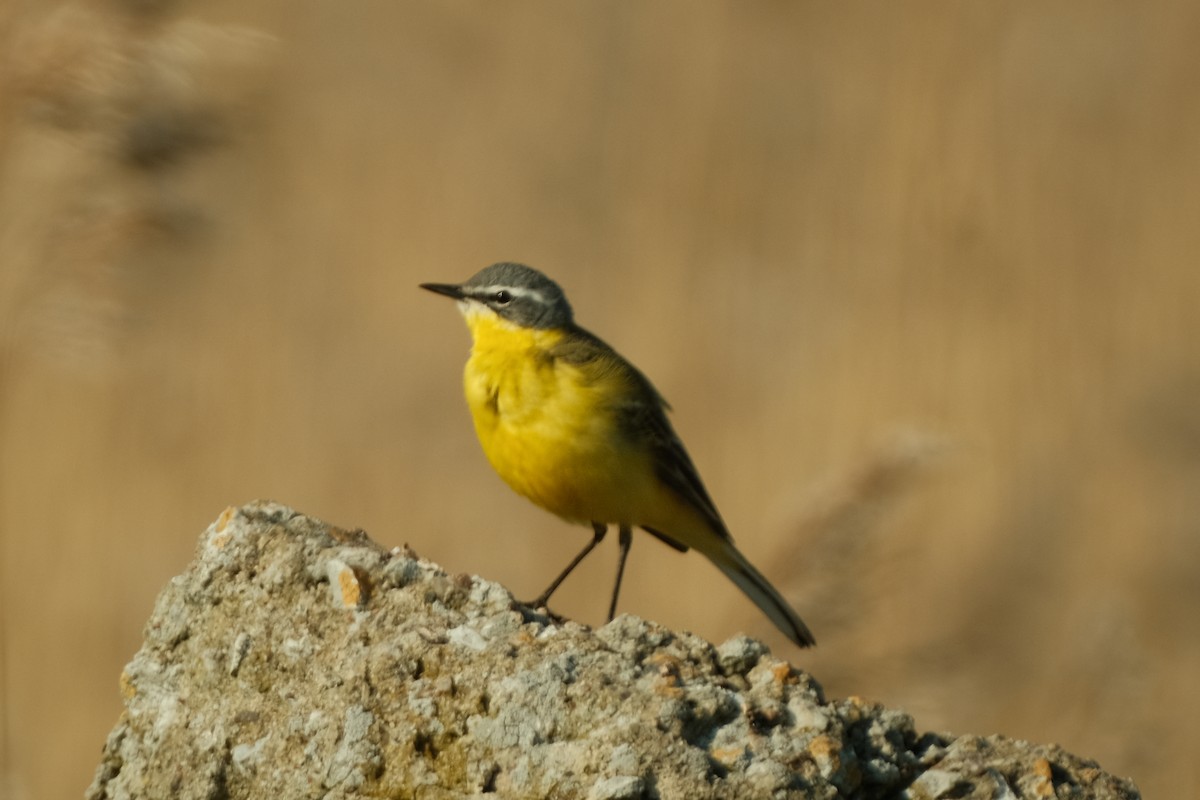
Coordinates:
x,y
674,466
644,416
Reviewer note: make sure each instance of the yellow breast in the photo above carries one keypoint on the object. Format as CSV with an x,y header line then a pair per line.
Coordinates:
x,y
550,428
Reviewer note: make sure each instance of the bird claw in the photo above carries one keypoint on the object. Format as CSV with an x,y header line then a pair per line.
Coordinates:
x,y
541,609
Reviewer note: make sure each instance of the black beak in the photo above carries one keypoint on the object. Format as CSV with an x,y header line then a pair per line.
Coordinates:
x,y
448,289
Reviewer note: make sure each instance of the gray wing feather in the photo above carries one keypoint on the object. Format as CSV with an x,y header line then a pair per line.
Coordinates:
x,y
645,417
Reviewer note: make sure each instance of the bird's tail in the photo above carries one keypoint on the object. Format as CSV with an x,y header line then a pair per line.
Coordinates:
x,y
759,589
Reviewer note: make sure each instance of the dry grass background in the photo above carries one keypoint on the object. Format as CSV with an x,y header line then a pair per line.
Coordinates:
x,y
919,278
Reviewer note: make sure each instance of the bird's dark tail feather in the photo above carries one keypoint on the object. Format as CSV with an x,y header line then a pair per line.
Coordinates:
x,y
759,589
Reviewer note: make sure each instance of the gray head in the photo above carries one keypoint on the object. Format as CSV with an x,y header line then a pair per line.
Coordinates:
x,y
515,292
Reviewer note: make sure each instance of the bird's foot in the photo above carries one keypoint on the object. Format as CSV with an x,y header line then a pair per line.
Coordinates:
x,y
539,607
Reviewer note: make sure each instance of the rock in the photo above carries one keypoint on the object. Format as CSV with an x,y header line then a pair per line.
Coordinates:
x,y
294,659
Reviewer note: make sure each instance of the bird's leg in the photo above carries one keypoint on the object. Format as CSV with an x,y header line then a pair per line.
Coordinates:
x,y
597,537
626,539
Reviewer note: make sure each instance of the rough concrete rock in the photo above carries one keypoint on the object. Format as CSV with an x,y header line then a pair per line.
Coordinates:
x,y
294,659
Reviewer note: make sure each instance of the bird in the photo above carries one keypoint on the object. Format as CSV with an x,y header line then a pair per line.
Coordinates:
x,y
570,424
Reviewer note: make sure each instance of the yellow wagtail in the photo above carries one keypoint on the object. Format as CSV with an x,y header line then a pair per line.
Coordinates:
x,y
577,429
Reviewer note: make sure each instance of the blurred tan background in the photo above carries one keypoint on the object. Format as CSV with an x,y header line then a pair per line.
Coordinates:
x,y
920,280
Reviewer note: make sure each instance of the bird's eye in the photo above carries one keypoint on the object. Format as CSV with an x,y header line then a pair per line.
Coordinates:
x,y
502,297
